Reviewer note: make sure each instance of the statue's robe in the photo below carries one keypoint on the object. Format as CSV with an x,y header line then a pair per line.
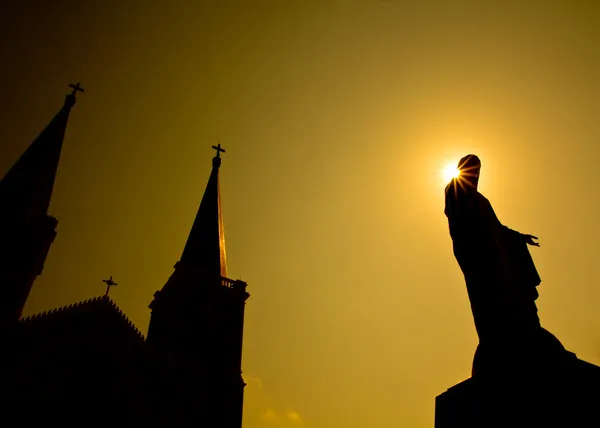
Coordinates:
x,y
499,272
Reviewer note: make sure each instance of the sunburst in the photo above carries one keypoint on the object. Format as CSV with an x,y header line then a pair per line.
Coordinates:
x,y
459,176
450,171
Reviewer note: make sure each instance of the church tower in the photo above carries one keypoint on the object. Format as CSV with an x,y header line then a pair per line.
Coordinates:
x,y
26,229
196,326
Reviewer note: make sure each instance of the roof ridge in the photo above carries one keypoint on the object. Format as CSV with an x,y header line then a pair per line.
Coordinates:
x,y
60,309
122,314
78,305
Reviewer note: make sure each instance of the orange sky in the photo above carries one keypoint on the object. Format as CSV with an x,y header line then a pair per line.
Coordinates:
x,y
337,117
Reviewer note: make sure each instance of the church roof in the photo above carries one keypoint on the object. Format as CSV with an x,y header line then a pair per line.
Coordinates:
x,y
97,314
80,361
26,188
205,247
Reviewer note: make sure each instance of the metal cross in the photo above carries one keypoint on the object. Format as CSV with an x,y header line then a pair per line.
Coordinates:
x,y
109,283
76,88
218,149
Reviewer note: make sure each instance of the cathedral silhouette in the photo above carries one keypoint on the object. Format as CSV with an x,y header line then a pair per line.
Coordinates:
x,y
86,364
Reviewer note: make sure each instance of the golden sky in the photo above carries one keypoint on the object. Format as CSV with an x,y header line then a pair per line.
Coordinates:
x,y
337,117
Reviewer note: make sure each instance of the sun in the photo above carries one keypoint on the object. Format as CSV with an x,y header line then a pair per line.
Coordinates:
x,y
450,171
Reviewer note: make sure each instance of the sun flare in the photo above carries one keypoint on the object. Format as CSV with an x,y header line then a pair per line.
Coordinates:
x,y
450,171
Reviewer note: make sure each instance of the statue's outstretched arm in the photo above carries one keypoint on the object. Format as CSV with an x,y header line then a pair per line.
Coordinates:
x,y
529,239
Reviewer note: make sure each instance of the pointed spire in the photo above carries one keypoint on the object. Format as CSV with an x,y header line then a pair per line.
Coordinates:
x,y
205,247
26,188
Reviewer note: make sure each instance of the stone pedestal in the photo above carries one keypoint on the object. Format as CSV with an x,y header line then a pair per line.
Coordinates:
x,y
564,394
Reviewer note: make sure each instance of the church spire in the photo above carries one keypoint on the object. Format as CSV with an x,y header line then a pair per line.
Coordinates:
x,y
197,323
26,229
205,247
27,187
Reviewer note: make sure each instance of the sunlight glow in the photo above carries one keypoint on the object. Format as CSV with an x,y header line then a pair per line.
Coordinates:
x,y
450,171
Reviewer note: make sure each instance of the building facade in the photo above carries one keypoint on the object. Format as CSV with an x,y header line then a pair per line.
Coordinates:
x,y
86,364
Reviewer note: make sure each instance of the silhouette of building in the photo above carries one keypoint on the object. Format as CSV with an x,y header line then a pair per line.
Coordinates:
x,y
86,364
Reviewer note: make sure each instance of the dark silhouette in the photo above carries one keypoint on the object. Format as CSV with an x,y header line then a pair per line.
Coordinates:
x,y
500,275
26,230
218,149
109,283
76,88
522,375
58,367
499,272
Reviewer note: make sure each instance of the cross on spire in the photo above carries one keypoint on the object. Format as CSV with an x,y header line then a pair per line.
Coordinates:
x,y
218,149
76,88
109,283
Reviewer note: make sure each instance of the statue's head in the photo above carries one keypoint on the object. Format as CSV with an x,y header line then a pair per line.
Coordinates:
x,y
469,167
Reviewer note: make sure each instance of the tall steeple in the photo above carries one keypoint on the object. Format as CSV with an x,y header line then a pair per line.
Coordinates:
x,y
26,229
205,247
26,189
197,322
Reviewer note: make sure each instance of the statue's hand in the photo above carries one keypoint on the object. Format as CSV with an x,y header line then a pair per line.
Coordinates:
x,y
529,239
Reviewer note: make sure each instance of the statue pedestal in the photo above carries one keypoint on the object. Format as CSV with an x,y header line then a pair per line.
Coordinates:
x,y
564,395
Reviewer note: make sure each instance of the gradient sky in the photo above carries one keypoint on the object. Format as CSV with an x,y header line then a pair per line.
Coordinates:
x,y
337,117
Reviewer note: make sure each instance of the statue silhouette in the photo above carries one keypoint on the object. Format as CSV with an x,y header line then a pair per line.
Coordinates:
x,y
499,272
522,375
